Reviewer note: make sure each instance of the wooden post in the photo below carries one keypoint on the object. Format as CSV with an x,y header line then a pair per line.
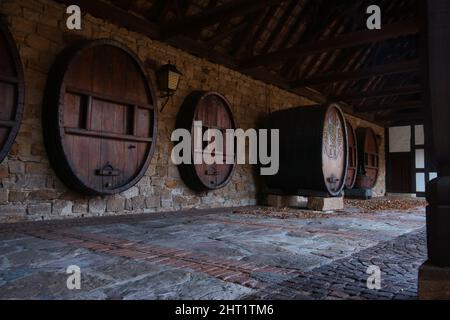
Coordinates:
x,y
434,276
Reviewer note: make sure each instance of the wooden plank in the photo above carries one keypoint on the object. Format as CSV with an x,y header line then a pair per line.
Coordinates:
x,y
394,68
378,94
105,135
11,80
7,124
107,98
398,106
215,15
345,41
115,15
403,117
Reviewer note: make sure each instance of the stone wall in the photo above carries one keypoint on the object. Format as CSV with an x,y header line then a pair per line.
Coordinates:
x,y
29,188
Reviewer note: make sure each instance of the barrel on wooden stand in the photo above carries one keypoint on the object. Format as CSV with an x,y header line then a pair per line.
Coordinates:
x,y
213,110
11,91
99,118
369,159
313,150
352,157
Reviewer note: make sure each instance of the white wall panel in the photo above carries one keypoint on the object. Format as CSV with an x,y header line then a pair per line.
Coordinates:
x,y
400,139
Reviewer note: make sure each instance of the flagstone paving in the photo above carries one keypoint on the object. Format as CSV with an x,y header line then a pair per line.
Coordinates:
x,y
215,254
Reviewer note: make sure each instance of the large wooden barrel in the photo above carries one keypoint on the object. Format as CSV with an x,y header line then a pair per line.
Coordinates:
x,y
12,90
99,118
352,157
369,159
213,110
313,150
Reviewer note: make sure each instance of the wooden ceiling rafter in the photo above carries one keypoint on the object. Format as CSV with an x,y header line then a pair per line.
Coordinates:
x,y
391,31
409,90
275,41
215,15
303,64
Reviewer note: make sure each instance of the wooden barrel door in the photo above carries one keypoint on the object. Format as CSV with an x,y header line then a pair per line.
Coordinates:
x,y
11,91
213,111
352,157
369,158
100,119
335,152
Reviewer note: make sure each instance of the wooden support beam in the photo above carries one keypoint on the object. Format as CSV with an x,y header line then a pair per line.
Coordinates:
x,y
394,68
215,15
115,15
414,116
268,77
434,276
391,31
378,94
390,107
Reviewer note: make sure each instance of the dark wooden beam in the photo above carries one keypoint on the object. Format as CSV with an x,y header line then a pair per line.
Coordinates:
x,y
223,34
266,76
275,34
379,94
390,107
115,15
122,18
215,15
394,68
391,31
413,116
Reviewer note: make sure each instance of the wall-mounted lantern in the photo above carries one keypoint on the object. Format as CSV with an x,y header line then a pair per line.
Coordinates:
x,y
168,81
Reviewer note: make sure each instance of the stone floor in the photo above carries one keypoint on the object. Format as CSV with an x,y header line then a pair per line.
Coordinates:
x,y
222,254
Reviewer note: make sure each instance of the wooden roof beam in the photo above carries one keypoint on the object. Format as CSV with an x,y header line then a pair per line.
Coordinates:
x,y
390,107
115,15
215,15
390,31
402,91
394,68
392,118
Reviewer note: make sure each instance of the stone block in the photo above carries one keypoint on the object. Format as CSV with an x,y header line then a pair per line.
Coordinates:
x,y
62,208
434,282
152,202
3,196
131,193
17,196
4,173
16,167
278,201
42,209
80,207
37,168
326,204
12,209
171,184
115,205
43,194
97,206
138,203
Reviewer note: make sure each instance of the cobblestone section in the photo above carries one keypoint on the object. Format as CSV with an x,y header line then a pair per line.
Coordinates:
x,y
230,271
214,255
398,260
